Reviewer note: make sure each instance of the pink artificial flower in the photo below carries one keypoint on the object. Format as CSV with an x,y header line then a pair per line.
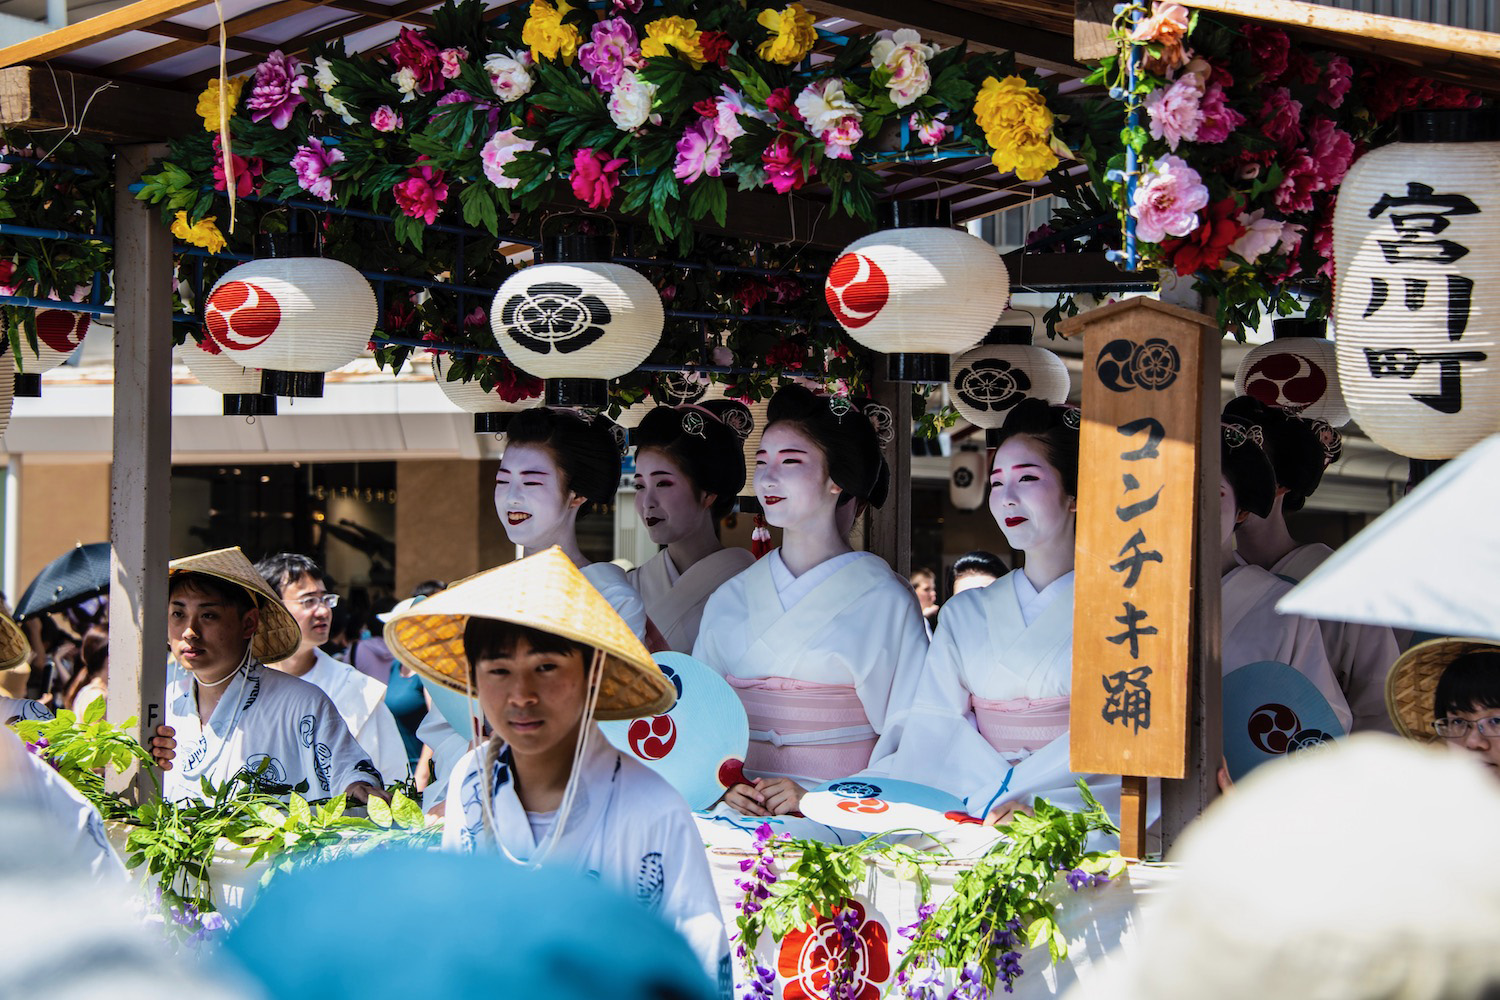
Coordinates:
x,y
312,164
422,193
1302,67
612,50
780,100
838,142
1270,47
595,177
277,90
1281,118
701,150
385,119
1174,111
412,51
1301,179
451,62
247,172
784,168
501,149
1219,120
1167,200
1338,77
1323,243
1332,152
1167,27
626,6
1261,236
930,130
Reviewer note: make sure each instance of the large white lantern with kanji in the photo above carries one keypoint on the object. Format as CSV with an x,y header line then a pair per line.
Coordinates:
x,y
239,385
1416,236
492,411
919,293
1297,371
988,381
292,315
59,332
578,320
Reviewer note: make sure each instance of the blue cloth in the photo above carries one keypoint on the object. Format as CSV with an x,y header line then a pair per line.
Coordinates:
x,y
403,696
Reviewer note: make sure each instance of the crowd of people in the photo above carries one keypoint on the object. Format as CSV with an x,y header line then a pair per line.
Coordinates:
x,y
843,667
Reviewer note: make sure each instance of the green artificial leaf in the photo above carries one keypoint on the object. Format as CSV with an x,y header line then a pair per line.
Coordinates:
x,y
380,812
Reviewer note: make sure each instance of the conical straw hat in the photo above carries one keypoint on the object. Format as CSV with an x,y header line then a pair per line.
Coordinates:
x,y
545,592
14,649
278,635
1412,683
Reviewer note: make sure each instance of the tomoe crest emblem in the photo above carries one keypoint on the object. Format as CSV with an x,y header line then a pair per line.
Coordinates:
x,y
554,314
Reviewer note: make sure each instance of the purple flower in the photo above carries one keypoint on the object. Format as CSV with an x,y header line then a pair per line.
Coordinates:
x,y
313,163
1168,199
612,50
278,89
701,150
1337,81
626,6
762,984
1302,178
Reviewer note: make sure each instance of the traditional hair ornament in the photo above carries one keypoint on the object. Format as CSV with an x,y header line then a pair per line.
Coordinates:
x,y
883,421
1235,435
741,421
760,537
692,423
621,436
1072,418
1331,440
840,406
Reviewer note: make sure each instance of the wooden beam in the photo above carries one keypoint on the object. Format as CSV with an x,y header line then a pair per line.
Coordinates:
x,y
39,97
1092,22
171,29
95,29
1061,272
948,25
204,37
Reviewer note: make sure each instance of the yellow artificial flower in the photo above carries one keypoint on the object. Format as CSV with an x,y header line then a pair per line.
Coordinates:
x,y
792,34
202,233
208,101
1018,126
680,33
546,33
1028,153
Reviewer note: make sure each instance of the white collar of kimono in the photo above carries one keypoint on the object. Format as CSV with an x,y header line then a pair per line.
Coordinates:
x,y
1032,602
792,589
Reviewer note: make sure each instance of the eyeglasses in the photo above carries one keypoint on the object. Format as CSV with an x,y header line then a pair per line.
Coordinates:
x,y
1457,729
313,600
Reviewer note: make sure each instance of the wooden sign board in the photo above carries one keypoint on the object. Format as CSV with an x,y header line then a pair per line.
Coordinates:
x,y
1138,491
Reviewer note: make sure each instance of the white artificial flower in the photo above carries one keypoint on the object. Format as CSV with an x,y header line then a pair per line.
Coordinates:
x,y
630,102
508,74
324,77
1261,235
406,82
823,105
500,150
905,55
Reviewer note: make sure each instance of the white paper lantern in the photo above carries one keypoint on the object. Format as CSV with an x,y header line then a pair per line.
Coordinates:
x,y
7,389
59,332
491,411
918,294
577,322
293,317
968,470
991,379
1297,371
1417,244
239,385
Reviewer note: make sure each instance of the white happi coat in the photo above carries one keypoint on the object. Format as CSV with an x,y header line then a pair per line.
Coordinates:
x,y
1361,655
626,826
1254,631
265,716
22,709
675,601
360,699
861,626
36,801
983,648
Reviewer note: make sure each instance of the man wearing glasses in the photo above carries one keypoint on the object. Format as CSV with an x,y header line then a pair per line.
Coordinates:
x,y
1448,691
359,698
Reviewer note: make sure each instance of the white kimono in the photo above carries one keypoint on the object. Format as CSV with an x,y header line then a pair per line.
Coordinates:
x,y
998,643
21,709
1361,655
626,826
35,801
675,601
849,622
611,582
265,718
1254,631
361,701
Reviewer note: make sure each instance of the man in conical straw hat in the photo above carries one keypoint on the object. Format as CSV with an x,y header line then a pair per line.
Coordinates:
x,y
1448,691
233,715
14,651
546,655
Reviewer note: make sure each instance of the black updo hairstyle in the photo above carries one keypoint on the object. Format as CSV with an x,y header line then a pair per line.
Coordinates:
x,y
586,452
1293,445
842,433
1054,429
700,440
1247,467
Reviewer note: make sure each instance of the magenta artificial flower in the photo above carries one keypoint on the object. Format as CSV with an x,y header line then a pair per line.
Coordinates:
x,y
626,6
312,164
1332,152
612,50
422,193
595,177
412,51
277,90
1174,111
1338,77
386,119
930,130
1219,120
701,150
1270,47
1298,185
784,168
451,62
1168,200
1281,118
838,142
1323,243
247,172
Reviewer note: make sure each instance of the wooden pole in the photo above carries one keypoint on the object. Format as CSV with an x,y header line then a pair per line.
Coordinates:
x,y
141,473
1133,816
888,530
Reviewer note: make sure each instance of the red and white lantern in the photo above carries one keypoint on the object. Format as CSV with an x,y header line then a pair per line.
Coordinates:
x,y
491,410
239,385
577,321
1297,371
294,317
920,293
59,332
991,379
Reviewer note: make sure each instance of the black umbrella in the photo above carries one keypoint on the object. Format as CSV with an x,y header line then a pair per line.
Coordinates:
x,y
78,574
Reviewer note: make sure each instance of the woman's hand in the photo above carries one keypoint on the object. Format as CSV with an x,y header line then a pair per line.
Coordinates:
x,y
781,795
745,799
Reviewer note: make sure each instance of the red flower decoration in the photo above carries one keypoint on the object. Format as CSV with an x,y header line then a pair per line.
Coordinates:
x,y
1207,245
716,46
809,955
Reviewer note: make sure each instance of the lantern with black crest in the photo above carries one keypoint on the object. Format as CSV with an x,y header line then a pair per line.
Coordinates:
x,y
294,315
577,320
59,332
918,291
1006,368
1297,371
239,386
492,412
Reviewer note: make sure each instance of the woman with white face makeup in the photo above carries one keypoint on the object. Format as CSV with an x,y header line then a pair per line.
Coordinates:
x,y
689,468
813,636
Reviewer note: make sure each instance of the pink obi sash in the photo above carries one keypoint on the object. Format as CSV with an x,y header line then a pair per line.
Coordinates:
x,y
1020,724
801,729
